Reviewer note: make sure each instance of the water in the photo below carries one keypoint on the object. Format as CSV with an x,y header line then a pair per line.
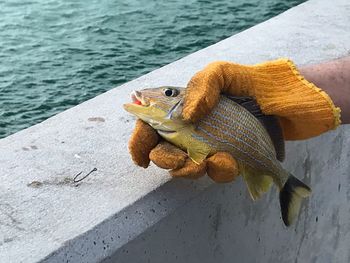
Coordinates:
x,y
56,54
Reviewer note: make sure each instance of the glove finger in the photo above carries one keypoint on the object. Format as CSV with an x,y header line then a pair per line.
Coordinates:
x,y
168,156
143,139
190,170
203,92
222,167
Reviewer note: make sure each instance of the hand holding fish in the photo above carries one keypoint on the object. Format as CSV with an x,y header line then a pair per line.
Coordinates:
x,y
277,84
236,128
224,134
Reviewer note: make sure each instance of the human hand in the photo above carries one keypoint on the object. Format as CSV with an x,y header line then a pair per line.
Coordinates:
x,y
304,110
145,146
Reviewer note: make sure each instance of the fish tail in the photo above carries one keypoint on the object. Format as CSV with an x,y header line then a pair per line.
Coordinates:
x,y
291,196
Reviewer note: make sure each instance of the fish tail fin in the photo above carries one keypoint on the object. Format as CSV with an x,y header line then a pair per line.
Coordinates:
x,y
257,183
291,196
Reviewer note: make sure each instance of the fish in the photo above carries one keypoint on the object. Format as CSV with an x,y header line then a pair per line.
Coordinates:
x,y
236,126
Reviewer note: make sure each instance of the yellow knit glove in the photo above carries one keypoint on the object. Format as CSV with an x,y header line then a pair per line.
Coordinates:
x,y
305,111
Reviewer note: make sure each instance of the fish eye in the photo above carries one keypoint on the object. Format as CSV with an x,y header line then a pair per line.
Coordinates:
x,y
171,92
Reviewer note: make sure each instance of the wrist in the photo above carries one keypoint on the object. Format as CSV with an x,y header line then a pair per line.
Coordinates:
x,y
334,78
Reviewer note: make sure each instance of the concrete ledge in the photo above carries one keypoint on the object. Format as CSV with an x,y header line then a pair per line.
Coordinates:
x,y
122,213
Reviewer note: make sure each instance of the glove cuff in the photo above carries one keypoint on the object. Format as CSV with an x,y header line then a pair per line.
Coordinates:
x,y
305,110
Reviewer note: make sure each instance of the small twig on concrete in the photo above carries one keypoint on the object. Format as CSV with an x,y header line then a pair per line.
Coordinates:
x,y
75,180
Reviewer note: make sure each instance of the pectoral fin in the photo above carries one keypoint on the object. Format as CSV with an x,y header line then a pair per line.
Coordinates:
x,y
257,183
196,150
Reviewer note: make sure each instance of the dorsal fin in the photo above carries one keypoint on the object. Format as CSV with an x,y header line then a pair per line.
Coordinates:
x,y
270,122
273,127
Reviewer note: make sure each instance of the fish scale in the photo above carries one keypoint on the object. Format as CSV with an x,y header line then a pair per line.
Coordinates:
x,y
225,128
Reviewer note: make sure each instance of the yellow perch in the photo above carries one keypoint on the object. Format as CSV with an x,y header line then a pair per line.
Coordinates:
x,y
237,126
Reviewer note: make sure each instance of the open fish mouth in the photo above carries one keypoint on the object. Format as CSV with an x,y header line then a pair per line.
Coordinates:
x,y
137,98
158,116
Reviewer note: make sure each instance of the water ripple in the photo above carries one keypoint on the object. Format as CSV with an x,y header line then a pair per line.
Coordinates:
x,y
56,54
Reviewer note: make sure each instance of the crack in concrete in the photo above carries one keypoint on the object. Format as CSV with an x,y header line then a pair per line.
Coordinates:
x,y
7,210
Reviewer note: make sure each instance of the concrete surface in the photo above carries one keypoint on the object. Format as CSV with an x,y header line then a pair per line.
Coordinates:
x,y
122,213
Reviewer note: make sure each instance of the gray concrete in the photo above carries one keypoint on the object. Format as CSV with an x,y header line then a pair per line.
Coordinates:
x,y
123,213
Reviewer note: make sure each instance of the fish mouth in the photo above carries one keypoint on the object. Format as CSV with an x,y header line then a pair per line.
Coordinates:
x,y
141,107
137,98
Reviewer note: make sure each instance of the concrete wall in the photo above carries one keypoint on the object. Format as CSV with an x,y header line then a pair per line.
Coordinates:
x,y
122,213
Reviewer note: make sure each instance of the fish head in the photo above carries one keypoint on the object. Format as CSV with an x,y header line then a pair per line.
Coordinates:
x,y
159,107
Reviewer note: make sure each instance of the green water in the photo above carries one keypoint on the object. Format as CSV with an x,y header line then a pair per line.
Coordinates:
x,y
56,54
